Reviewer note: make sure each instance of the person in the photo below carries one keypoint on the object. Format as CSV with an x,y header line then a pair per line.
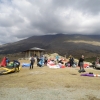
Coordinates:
x,y
97,60
60,61
57,58
81,64
32,62
7,61
41,62
45,60
16,65
71,61
38,59
35,55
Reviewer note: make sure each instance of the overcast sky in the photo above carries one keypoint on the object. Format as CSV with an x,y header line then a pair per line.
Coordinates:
x,y
20,19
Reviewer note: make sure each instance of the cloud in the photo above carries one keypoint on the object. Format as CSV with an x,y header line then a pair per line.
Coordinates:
x,y
20,19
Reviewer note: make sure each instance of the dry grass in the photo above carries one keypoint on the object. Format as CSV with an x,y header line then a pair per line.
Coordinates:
x,y
87,42
46,78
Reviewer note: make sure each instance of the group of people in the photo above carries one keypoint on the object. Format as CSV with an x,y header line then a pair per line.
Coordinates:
x,y
15,64
40,61
71,62
43,60
80,63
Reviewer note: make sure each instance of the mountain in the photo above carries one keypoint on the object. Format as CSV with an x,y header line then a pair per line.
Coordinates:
x,y
75,44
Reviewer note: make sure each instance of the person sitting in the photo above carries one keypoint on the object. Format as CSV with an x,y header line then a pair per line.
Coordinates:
x,y
60,61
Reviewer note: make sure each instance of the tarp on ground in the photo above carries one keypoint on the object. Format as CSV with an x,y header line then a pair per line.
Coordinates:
x,y
51,64
25,64
90,75
86,65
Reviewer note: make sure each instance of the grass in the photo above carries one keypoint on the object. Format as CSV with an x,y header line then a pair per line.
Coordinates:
x,y
91,59
45,77
56,80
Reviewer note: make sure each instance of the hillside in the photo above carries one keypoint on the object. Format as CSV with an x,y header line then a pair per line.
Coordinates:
x,y
89,45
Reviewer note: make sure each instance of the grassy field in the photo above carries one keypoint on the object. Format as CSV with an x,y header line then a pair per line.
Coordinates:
x,y
64,80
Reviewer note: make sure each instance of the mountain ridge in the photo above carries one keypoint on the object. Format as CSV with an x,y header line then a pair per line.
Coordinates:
x,y
64,44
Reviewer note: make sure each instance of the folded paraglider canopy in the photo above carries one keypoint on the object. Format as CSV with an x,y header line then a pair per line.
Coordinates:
x,y
10,68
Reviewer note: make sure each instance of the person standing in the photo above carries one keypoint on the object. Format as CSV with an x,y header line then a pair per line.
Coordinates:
x,y
45,60
57,58
16,65
32,62
81,64
71,61
97,60
7,61
41,62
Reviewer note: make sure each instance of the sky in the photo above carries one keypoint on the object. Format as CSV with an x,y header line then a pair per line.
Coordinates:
x,y
20,19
